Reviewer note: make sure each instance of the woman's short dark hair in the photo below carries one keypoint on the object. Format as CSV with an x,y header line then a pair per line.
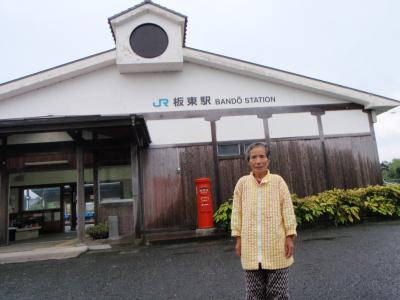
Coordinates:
x,y
257,144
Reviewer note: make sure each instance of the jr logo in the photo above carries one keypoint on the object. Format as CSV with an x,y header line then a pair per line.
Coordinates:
x,y
161,102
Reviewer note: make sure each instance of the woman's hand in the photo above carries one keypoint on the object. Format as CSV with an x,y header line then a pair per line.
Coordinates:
x,y
289,246
238,246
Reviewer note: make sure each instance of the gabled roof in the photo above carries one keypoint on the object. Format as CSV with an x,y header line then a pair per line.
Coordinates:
x,y
142,4
368,100
56,74
107,58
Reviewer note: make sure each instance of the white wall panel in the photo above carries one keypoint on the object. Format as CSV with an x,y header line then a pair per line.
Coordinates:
x,y
345,122
179,131
292,125
240,128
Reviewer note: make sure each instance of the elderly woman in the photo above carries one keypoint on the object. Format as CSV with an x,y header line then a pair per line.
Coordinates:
x,y
264,224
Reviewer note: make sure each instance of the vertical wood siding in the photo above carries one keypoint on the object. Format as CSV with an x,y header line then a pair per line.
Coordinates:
x,y
301,164
170,199
230,171
169,195
352,162
124,212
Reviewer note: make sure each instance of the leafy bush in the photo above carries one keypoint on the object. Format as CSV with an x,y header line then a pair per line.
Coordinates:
x,y
349,206
337,206
222,217
99,231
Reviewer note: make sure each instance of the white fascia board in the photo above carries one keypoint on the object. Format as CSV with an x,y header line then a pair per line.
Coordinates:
x,y
369,101
57,74
148,8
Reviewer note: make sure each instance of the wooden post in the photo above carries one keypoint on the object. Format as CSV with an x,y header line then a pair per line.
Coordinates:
x,y
96,186
372,120
80,194
3,203
73,207
265,118
212,120
140,183
318,114
136,205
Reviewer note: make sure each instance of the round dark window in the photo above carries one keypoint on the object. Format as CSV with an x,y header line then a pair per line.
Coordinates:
x,y
149,40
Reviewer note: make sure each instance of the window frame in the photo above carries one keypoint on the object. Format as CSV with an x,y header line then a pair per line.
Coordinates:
x,y
22,204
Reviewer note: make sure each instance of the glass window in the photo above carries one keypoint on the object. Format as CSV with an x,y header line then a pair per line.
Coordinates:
x,y
115,182
111,190
247,145
41,198
228,150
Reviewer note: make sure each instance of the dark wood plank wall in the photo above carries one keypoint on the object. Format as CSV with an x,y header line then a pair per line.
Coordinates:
x,y
170,199
105,157
169,194
162,189
301,164
230,171
124,212
353,162
196,162
16,164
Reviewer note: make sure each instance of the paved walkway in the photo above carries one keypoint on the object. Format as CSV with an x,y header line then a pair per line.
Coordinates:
x,y
65,245
60,246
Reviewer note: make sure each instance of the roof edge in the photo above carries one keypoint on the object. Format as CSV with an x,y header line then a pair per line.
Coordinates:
x,y
55,74
369,100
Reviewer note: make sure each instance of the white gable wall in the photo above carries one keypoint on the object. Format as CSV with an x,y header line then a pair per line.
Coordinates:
x,y
108,92
293,125
345,121
171,59
179,131
240,128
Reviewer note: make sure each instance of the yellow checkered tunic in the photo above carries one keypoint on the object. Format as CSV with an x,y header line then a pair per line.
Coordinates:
x,y
269,203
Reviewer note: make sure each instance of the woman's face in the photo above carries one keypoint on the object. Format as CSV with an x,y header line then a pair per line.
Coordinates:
x,y
258,160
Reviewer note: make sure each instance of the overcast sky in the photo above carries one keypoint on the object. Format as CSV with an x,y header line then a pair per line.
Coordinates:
x,y
355,43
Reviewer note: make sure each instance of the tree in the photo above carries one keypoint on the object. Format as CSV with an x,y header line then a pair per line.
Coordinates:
x,y
391,170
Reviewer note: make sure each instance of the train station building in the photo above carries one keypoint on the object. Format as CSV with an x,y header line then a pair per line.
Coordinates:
x,y
126,132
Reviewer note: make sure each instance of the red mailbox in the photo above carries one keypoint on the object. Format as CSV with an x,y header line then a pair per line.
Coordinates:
x,y
204,203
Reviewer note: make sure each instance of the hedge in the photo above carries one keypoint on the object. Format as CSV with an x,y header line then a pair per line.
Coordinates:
x,y
336,206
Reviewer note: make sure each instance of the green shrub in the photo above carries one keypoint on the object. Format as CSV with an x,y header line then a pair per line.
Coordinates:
x,y
99,231
338,206
349,206
222,217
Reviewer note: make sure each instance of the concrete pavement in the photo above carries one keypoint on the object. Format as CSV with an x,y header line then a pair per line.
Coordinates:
x,y
42,254
67,247
354,262
37,250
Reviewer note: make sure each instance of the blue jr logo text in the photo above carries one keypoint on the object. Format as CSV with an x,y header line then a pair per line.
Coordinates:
x,y
161,102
